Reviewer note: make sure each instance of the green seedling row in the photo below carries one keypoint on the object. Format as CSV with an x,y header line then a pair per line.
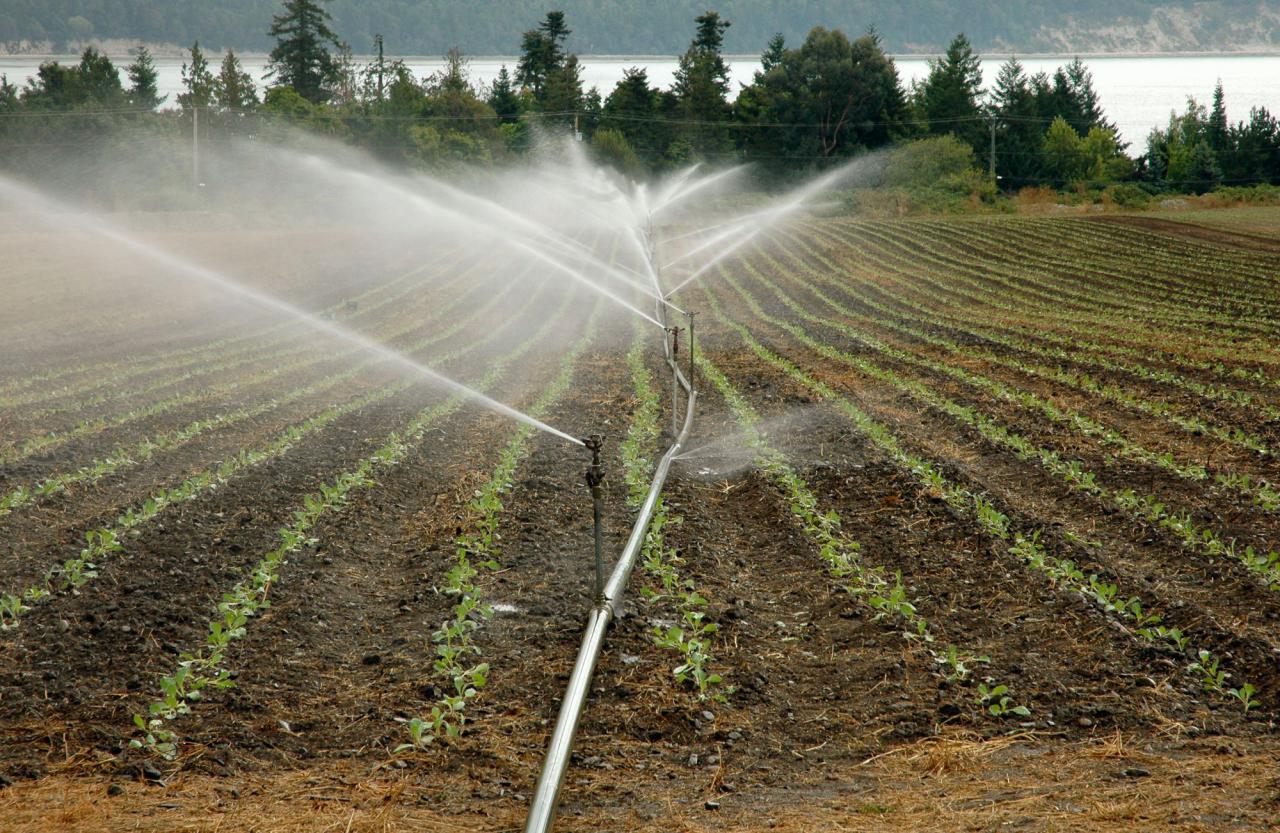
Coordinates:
x,y
476,549
969,283
114,374
204,670
1126,282
886,596
1140,618
76,572
55,439
123,458
1258,491
1061,294
691,639
1089,384
1144,507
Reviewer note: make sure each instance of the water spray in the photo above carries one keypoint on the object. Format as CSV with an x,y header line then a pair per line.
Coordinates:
x,y
234,288
595,482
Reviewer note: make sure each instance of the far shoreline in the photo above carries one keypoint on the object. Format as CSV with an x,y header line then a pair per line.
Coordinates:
x,y
118,50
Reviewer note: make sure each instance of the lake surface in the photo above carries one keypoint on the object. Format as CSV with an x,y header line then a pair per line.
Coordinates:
x,y
1137,93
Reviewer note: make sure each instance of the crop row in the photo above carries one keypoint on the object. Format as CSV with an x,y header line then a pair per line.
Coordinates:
x,y
1128,279
690,639
1080,380
114,374
1069,284
477,548
1143,507
125,457
100,543
970,282
283,363
1258,491
1140,617
205,669
51,440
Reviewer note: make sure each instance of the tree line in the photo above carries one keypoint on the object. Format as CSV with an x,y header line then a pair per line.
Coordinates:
x,y
820,102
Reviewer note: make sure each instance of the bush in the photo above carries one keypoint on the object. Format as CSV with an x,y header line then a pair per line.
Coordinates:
x,y
934,175
612,148
1126,195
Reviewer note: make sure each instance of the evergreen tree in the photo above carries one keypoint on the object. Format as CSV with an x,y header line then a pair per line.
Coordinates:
x,y
301,58
1064,159
98,79
233,88
503,97
947,101
829,98
562,91
542,53
1018,128
144,91
612,148
633,110
1073,98
773,53
702,88
1255,155
197,80
1216,129
8,95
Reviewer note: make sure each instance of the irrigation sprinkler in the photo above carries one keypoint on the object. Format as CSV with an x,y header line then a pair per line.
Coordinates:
x,y
690,314
595,481
675,379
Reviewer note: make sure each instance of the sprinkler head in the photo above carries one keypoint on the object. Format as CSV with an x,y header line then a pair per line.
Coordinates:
x,y
675,339
595,474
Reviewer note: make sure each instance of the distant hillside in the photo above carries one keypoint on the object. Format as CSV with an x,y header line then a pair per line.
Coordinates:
x,y
661,26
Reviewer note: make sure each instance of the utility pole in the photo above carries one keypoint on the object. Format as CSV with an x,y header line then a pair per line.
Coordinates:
x,y
992,123
377,39
195,148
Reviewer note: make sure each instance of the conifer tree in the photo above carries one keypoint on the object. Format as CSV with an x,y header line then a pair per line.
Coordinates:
x,y
233,87
503,97
301,58
1216,128
702,87
197,80
947,101
144,91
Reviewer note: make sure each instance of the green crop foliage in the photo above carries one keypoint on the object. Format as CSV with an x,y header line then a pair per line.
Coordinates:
x,y
1027,547
870,585
251,595
479,548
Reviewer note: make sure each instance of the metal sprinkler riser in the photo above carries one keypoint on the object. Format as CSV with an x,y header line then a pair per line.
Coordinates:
x,y
595,482
675,380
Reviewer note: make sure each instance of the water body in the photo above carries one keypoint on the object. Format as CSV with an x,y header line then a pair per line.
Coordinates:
x,y
1137,93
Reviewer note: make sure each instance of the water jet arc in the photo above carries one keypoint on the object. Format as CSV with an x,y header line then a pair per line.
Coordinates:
x,y
230,286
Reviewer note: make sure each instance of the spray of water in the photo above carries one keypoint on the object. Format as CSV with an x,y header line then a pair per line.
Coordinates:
x,y
230,286
740,231
493,234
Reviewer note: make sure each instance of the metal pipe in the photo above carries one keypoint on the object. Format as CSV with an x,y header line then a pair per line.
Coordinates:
x,y
595,479
674,360
546,795
690,313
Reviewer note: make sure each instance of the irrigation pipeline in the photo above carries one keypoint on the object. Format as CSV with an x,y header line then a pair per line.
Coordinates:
x,y
546,795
